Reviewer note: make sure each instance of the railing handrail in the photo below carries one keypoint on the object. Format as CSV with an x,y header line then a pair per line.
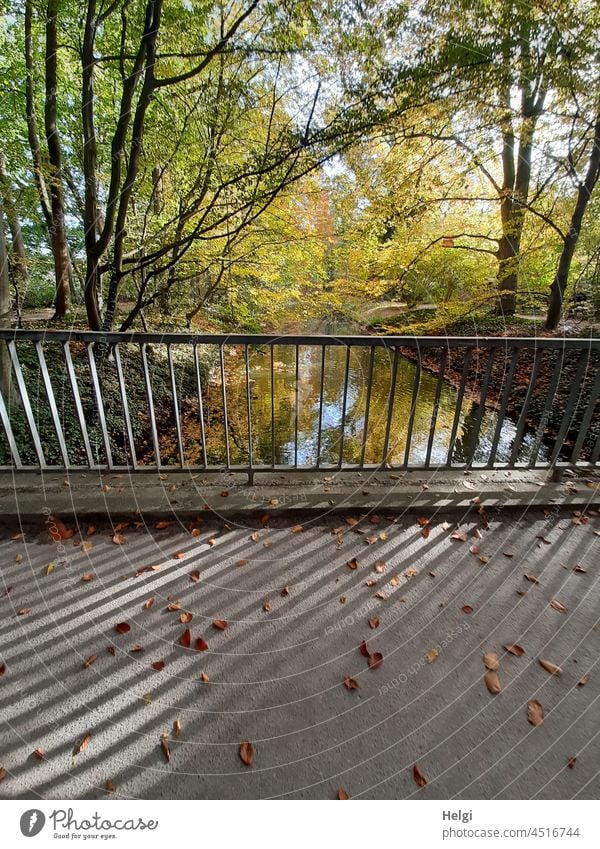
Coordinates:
x,y
174,338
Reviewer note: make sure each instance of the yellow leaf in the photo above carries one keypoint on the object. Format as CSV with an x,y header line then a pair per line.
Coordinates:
x,y
49,568
431,655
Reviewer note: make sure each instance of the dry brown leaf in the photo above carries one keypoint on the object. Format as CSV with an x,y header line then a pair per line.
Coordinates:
x,y
267,606
285,591
491,661
532,579
341,794
351,521
535,712
492,682
123,627
185,618
111,650
394,581
351,684
39,753
186,639
3,773
375,660
246,753
148,603
158,665
162,523
352,564
550,667
255,536
571,762
23,611
381,595
177,728
195,576
461,536
515,649
57,530
466,608
219,624
431,655
90,660
364,649
374,622
144,569
297,529
583,681
137,648
83,744
558,605
2,669
110,787
204,678
164,742
118,539
419,776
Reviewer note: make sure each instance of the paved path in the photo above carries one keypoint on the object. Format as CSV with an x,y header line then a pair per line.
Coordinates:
x,y
276,677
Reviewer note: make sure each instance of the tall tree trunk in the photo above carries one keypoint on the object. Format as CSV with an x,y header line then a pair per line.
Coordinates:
x,y
584,193
18,246
57,203
5,316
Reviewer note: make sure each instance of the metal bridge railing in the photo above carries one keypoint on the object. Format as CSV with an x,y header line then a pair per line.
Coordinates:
x,y
249,403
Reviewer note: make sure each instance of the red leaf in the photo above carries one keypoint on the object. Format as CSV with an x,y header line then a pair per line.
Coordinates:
x,y
186,639
201,644
375,660
158,665
219,624
123,627
364,650
39,753
351,684
195,576
247,753
466,608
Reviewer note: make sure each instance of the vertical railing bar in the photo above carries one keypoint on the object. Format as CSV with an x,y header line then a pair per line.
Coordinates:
x,y
176,406
388,425
587,418
413,411
27,409
99,403
224,396
436,406
124,399
78,404
52,404
550,395
296,406
200,403
367,405
459,403
321,390
481,406
522,420
344,406
503,407
9,432
272,365
248,405
596,452
572,403
150,398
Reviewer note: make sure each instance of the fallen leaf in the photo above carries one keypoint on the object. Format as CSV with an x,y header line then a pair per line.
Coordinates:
x,y
177,728
352,564
148,603
137,648
381,595
363,649
351,684
466,608
425,532
394,581
550,667
579,568
371,583
18,558
558,605
341,794
90,660
18,536
185,618
508,553
162,523
255,536
484,558
535,712
571,763
110,787
91,530
492,682
195,576
285,591
57,530
118,539
241,563
111,650
50,568
3,773
123,627
491,661
186,639
583,681
267,607
164,742
411,572
419,776
374,622
375,660
39,753
201,644
86,545
431,655
158,665
461,536
144,569
297,529
515,649
219,624
351,521
532,579
204,678
2,669
246,752
83,744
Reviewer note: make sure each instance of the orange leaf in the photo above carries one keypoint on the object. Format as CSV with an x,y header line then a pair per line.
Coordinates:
x,y
90,660
535,712
148,603
58,531
247,753
351,684
352,564
364,650
341,794
204,678
162,523
492,682
39,753
583,681
491,661
118,539
267,607
185,618
375,660
558,605
550,667
110,787
515,649
219,624
297,529
83,744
